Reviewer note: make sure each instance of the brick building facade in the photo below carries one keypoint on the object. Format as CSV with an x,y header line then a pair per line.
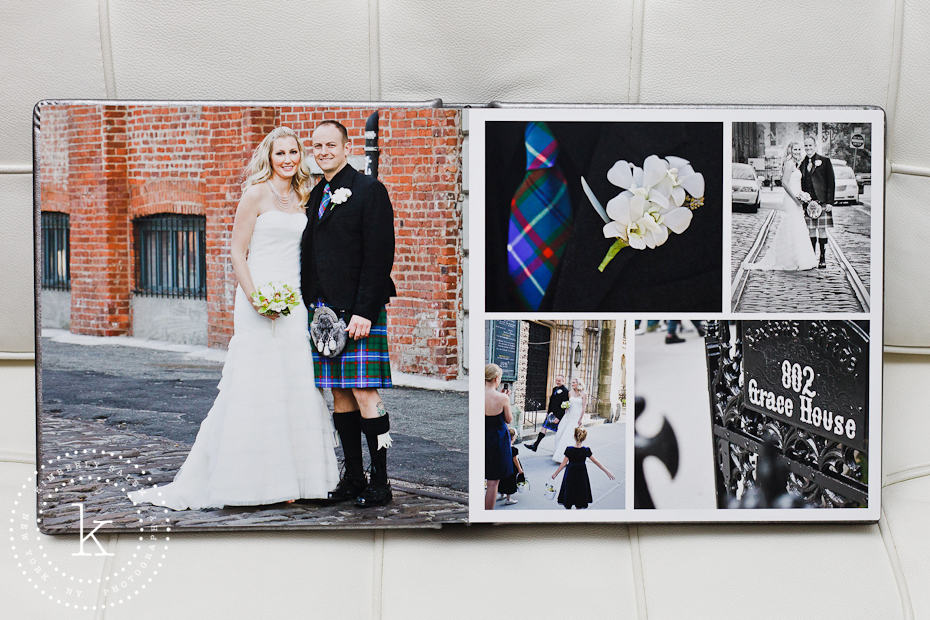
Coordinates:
x,y
107,166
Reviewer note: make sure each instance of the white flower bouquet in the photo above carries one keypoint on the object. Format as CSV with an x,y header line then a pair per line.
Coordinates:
x,y
657,198
275,298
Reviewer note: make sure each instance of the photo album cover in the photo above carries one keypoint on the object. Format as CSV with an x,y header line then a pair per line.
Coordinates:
x,y
276,316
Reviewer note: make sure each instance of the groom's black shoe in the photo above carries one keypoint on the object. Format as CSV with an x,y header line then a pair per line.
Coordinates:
x,y
348,488
378,492
352,484
375,495
535,445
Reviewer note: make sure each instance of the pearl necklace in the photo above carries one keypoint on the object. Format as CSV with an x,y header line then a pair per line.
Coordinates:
x,y
282,202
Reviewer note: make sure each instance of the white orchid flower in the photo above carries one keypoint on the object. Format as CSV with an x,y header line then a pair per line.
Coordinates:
x,y
625,175
681,179
636,218
651,202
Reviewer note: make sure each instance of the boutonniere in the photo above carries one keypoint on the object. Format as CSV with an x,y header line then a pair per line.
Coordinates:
x,y
341,195
817,162
657,198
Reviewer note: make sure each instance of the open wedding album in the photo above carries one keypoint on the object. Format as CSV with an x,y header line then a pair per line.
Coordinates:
x,y
313,315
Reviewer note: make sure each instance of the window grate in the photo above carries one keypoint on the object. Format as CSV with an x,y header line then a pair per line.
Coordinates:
x,y
171,255
56,251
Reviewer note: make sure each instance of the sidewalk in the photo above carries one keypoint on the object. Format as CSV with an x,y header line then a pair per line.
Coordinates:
x,y
672,378
608,445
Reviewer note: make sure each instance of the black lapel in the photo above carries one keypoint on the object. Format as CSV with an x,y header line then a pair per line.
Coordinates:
x,y
346,179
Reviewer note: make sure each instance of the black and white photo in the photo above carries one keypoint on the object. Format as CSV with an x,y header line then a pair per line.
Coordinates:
x,y
802,206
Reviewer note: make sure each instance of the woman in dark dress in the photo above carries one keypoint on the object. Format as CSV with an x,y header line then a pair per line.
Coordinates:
x,y
498,460
576,487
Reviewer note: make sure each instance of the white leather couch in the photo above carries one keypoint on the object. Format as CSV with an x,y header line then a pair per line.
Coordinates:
x,y
649,51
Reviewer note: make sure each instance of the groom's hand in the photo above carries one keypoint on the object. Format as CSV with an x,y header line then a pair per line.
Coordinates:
x,y
358,327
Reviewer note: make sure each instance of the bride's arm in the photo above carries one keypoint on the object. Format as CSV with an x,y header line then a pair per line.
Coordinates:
x,y
243,225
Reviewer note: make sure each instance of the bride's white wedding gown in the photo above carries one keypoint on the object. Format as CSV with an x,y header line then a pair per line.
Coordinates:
x,y
791,250
565,436
269,435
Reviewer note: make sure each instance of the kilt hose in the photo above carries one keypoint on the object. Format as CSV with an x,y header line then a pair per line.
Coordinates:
x,y
363,363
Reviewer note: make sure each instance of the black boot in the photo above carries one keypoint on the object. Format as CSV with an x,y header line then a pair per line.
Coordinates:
x,y
535,445
378,492
352,484
814,243
823,254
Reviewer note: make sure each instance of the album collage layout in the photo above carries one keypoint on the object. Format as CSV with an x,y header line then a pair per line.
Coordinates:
x,y
311,315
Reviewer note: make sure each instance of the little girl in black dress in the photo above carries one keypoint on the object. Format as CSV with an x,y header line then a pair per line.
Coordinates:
x,y
576,487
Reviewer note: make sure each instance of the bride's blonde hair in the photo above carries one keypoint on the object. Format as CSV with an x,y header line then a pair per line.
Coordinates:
x,y
789,152
259,169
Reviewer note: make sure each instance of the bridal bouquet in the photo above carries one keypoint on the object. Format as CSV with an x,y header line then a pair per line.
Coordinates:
x,y
656,199
275,298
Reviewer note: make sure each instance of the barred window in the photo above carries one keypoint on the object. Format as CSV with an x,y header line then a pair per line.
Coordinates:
x,y
171,255
56,251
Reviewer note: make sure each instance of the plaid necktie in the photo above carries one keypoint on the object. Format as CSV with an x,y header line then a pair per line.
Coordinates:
x,y
324,202
540,218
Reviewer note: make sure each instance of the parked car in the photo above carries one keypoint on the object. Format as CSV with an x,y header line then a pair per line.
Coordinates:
x,y
745,196
847,190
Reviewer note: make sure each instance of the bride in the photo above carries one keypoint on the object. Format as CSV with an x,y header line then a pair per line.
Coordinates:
x,y
565,436
269,436
791,250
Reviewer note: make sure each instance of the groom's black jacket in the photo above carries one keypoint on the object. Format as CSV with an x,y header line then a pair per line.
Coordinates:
x,y
347,255
685,274
820,182
559,395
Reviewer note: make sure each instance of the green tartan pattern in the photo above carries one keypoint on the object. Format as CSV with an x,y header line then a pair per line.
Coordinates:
x,y
363,363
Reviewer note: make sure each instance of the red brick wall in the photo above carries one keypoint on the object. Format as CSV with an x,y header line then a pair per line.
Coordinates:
x,y
53,148
107,165
99,207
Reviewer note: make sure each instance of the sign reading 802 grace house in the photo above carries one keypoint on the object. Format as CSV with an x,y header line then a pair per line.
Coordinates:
x,y
812,375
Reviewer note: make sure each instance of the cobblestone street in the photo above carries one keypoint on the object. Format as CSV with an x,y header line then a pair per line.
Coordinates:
x,y
146,405
814,290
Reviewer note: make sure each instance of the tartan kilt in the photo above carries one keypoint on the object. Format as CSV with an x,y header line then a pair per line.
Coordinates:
x,y
363,363
818,228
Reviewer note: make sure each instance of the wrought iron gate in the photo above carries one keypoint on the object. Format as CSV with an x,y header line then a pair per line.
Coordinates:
x,y
802,388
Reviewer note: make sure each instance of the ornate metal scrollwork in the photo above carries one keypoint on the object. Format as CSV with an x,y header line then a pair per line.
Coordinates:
x,y
820,471
663,446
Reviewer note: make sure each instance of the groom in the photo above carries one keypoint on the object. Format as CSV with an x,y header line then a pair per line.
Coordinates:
x,y
817,183
347,252
558,398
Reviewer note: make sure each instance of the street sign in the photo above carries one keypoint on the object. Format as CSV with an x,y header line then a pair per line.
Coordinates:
x,y
857,141
505,338
811,375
